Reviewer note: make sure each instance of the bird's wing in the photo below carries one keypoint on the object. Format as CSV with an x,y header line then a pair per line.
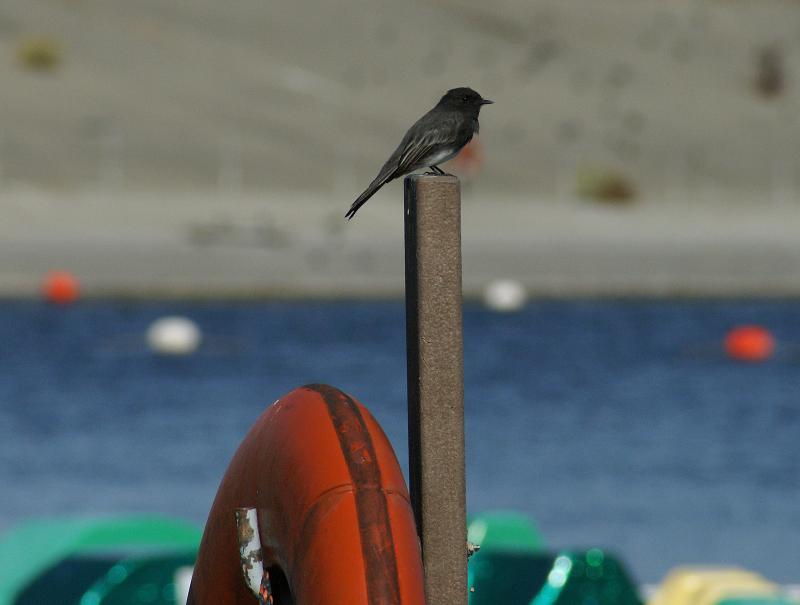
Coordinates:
x,y
421,143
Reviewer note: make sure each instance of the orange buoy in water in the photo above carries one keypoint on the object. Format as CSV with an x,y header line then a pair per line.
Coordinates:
x,y
470,158
749,343
60,287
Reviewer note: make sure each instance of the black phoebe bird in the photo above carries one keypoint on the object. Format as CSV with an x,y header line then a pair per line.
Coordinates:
x,y
435,138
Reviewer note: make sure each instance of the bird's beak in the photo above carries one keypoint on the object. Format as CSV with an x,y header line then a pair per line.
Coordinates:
x,y
486,102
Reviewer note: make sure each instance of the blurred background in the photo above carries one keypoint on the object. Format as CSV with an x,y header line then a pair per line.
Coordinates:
x,y
181,146
634,196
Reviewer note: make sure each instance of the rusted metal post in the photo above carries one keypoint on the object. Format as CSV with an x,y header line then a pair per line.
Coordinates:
x,y
434,345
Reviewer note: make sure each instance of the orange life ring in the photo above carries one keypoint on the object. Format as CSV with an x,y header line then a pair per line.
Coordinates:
x,y
334,515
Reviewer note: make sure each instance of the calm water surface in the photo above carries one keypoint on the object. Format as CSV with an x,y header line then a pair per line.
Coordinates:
x,y
612,424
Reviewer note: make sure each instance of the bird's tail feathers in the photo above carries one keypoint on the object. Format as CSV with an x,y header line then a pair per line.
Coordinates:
x,y
379,182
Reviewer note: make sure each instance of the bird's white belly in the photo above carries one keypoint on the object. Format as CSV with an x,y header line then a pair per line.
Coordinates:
x,y
439,157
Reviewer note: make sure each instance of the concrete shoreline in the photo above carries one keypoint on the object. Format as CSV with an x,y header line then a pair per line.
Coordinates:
x,y
206,245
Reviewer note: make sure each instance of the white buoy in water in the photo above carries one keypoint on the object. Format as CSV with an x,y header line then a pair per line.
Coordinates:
x,y
174,335
505,295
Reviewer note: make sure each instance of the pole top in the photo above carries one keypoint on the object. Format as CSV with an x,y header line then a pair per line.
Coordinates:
x,y
432,178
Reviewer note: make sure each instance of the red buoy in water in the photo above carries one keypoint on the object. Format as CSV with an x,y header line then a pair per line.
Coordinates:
x,y
749,343
60,287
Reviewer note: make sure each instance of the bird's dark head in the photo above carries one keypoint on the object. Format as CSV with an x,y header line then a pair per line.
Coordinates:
x,y
465,99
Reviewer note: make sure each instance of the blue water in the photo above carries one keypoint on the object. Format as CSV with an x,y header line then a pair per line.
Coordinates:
x,y
617,424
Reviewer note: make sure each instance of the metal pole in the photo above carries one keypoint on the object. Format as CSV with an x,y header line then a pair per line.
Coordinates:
x,y
434,345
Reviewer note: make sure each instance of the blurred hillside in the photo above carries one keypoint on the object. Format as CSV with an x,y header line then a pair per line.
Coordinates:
x,y
207,148
310,96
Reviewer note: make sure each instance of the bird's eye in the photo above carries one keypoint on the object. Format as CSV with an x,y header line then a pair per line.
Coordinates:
x,y
465,98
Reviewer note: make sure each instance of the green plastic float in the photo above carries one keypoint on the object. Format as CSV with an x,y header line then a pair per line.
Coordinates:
x,y
513,567
58,560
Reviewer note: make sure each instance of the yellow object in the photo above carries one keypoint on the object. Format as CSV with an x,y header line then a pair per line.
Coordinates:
x,y
39,53
709,585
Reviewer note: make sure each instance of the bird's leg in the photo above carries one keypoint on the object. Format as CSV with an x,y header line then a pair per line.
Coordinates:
x,y
439,172
436,171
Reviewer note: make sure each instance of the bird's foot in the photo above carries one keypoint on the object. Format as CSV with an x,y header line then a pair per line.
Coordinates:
x,y
436,171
